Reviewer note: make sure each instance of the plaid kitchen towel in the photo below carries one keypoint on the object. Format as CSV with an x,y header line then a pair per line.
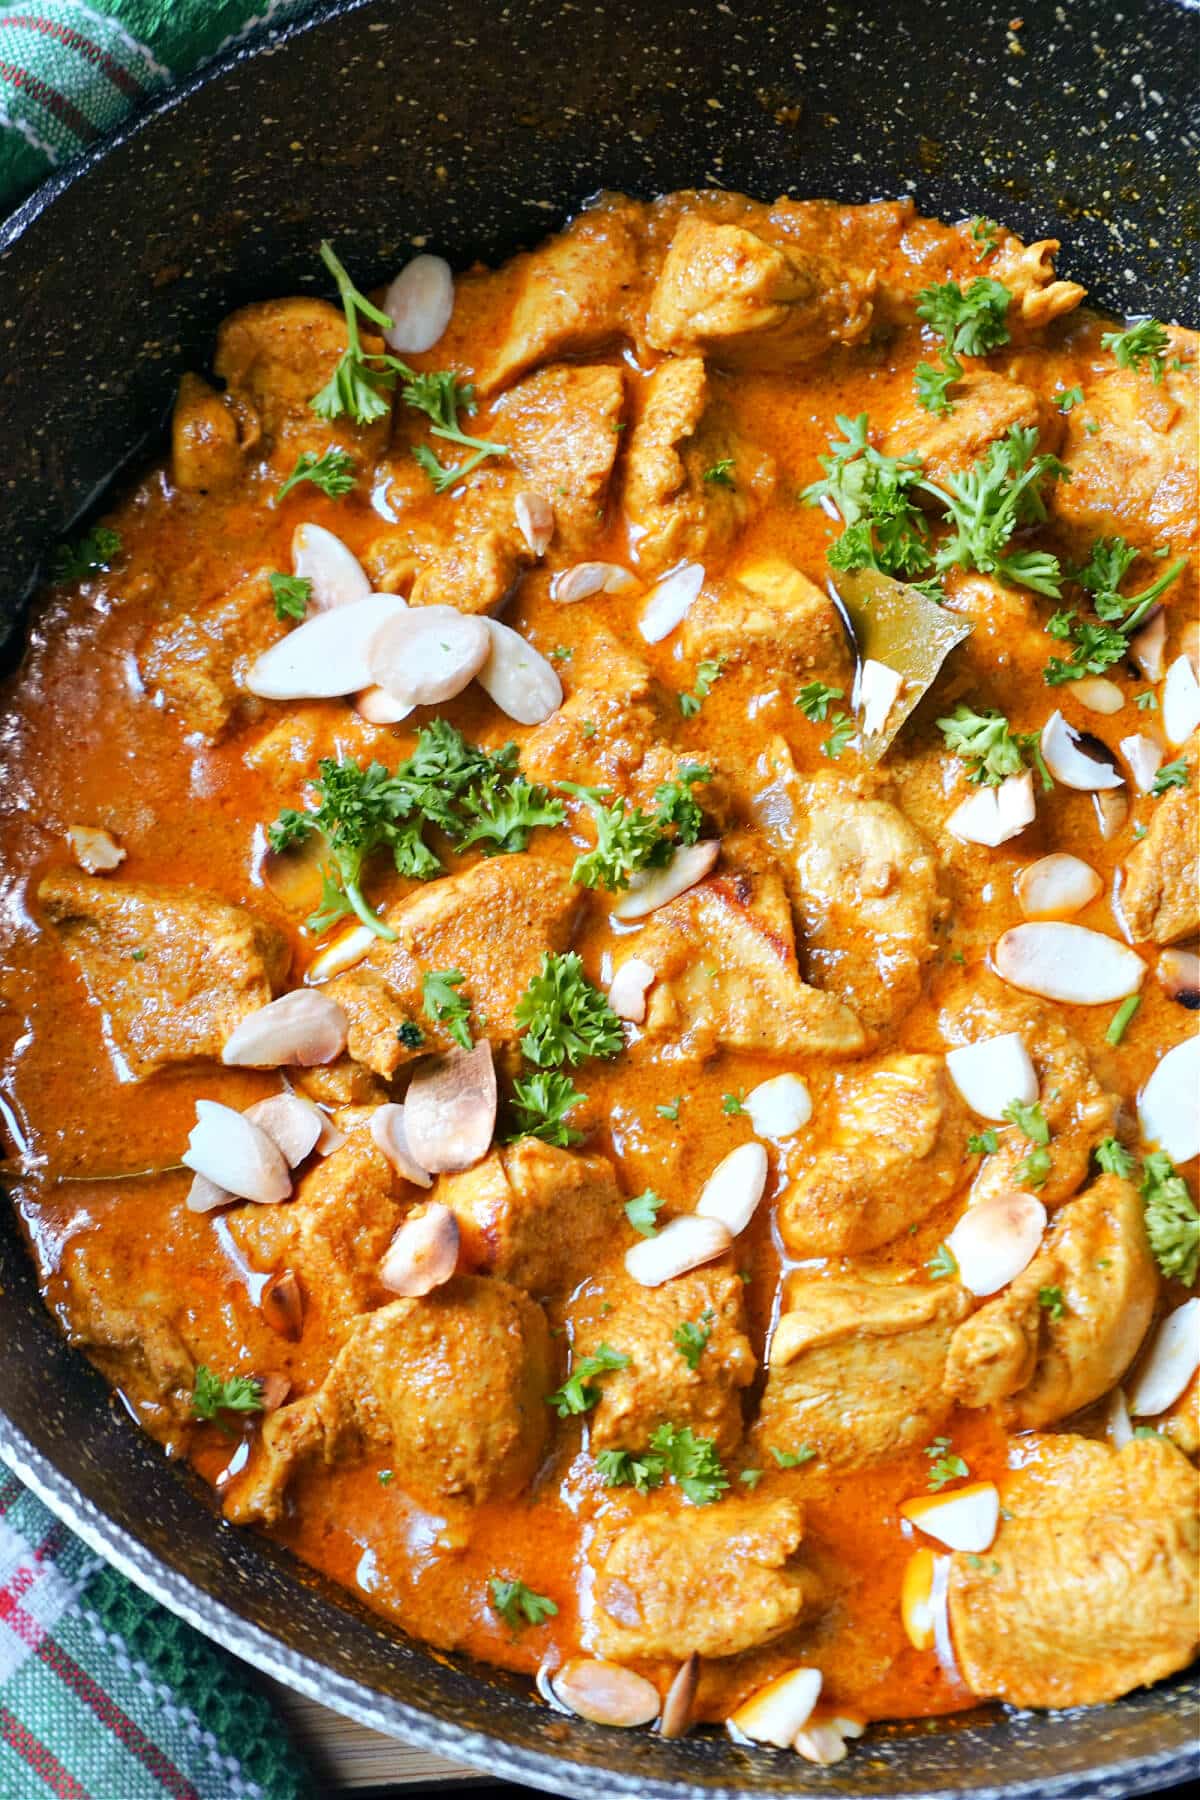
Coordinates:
x,y
104,1695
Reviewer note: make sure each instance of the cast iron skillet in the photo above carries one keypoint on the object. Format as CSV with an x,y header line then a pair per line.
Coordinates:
x,y
475,129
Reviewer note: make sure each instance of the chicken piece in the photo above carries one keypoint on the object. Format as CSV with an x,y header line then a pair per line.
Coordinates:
x,y
1136,475
533,1214
574,294
1090,1587
274,356
198,660
475,573
1041,1358
563,428
675,507
857,1367
341,1084
1027,271
711,1582
986,408
1078,1110
210,435
774,619
172,970
124,1319
726,292
895,1151
865,891
725,971
1160,883
658,1388
290,748
449,1388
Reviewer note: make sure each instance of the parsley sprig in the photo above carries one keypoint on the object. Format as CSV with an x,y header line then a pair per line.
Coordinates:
x,y
443,1005
579,1392
564,1017
98,549
541,1103
1029,1119
676,1451
642,1210
691,1337
971,320
884,529
211,1395
988,502
629,839
707,672
1097,644
946,1465
290,594
332,472
1172,1222
518,1605
932,386
990,748
1141,346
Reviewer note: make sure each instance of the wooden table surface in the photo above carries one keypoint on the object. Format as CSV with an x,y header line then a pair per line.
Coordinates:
x,y
349,1759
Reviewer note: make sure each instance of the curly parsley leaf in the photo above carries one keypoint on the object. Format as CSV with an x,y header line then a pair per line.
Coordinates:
x,y
1115,1159
1171,775
814,700
1068,398
971,320
500,811
691,1339
991,750
678,809
628,839
842,731
1051,1301
621,1468
518,1605
1142,346
641,1212
564,1017
540,1105
443,1005
332,472
942,1263
579,1392
932,386
707,672
720,473
983,1143
1099,643
985,505
290,594
98,549
211,1395
1029,1120
1172,1222
692,1462
946,1465
885,530
441,396
793,1459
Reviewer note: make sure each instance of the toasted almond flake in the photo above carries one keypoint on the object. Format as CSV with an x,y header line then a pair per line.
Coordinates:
x,y
1112,810
996,1239
992,1073
292,1124
1180,702
683,1244
331,1138
849,1727
273,1390
450,1109
1068,761
604,1692
733,1190
879,689
337,576
1056,886
1169,1364
427,654
669,601
520,680
583,580
1117,1426
282,1305
1178,973
1144,757
535,521
1069,963
992,815
776,1712
681,1695
1167,1106
327,655
779,1107
916,1599
233,1152
94,849
419,302
965,1520
1148,645
299,1030
628,988
1098,695
653,888
377,707
423,1254
340,953
821,1742
205,1195
389,1135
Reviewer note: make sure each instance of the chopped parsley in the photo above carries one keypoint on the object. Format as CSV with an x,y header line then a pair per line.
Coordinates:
x,y
579,1393
1147,702
1119,1023
971,320
983,1143
332,472
732,1105
1069,398
385,1477
720,473
988,502
1099,643
707,672
691,1340
540,1105
98,549
751,1477
1051,1301
842,730
676,1451
628,839
621,1468
440,396
932,386
211,1395
410,1034
1142,346
290,594
564,1017
814,700
1172,1222
1171,775
669,1109
942,1263
518,1605
1029,1119
989,747
946,1465
1114,1158
884,528
641,1212
792,1459
443,1005
986,233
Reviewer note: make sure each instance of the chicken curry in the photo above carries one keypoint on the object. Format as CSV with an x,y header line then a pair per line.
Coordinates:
x,y
599,961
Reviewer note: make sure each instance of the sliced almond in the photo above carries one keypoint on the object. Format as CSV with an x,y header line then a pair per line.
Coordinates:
x,y
669,601
337,576
779,1107
964,1520
520,680
1170,1363
389,1135
1068,963
450,1109
419,302
1117,1426
1180,702
535,521
377,707
585,579
427,654
992,1073
1178,973
1056,886
628,988
653,888
299,1030
996,1239
282,1305
331,1138
1066,757
1148,645
94,849
879,688
993,815
822,1742
678,1706
1144,757
733,1190
233,1152
605,1693
684,1244
273,1390
205,1195
326,655
342,952
292,1124
776,1712
1112,810
916,1599
1098,695
1168,1108
423,1254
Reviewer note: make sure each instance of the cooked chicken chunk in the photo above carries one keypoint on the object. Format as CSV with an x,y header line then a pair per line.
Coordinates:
x,y
774,619
125,1318
274,356
713,1582
866,898
1065,1331
676,505
198,660
1090,1587
172,970
449,1388
563,427
986,407
534,1214
210,435
473,574
1027,271
857,1367
724,961
895,1150
1160,884
658,1387
728,293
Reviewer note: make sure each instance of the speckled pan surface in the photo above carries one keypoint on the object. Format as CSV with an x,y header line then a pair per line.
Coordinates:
x,y
474,128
